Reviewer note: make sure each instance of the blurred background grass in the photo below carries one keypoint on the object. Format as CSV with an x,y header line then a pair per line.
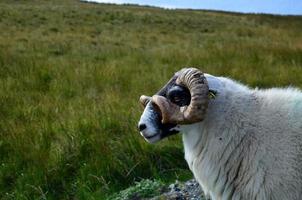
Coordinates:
x,y
71,74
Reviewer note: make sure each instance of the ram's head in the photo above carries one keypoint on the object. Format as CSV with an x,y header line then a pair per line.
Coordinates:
x,y
183,100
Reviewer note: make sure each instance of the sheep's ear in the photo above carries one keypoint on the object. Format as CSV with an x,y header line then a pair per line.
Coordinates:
x,y
215,85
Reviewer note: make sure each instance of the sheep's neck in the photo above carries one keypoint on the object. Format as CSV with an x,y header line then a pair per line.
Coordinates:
x,y
193,141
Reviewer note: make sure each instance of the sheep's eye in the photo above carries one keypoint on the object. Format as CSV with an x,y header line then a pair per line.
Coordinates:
x,y
179,95
176,99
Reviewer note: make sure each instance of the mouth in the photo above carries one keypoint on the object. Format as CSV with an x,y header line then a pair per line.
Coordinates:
x,y
150,137
153,138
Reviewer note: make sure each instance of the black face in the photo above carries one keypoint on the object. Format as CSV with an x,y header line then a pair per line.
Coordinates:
x,y
150,124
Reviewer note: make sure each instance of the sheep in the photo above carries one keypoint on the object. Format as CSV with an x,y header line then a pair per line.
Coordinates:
x,y
240,143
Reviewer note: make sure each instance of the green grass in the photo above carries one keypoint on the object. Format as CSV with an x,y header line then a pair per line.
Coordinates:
x,y
144,189
71,74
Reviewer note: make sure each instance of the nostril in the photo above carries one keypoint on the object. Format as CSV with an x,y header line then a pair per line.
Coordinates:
x,y
142,127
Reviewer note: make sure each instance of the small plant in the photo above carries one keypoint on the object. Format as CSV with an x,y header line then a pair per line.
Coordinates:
x,y
143,189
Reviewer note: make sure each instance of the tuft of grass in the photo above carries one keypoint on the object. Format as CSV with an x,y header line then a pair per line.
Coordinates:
x,y
71,74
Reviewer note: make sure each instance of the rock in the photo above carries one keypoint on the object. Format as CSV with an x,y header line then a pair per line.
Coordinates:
x,y
189,190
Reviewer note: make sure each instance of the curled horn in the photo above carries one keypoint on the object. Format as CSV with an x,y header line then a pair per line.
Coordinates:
x,y
144,100
196,82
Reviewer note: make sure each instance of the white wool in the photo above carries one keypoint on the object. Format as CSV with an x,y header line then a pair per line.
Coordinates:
x,y
250,144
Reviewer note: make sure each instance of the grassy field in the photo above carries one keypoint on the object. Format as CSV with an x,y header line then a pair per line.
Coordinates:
x,y
71,74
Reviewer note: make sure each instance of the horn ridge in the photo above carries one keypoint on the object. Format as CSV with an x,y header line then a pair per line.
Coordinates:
x,y
144,100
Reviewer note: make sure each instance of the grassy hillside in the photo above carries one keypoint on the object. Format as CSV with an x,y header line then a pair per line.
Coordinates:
x,y
71,74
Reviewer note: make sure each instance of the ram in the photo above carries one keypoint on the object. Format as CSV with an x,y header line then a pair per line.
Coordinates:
x,y
240,143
